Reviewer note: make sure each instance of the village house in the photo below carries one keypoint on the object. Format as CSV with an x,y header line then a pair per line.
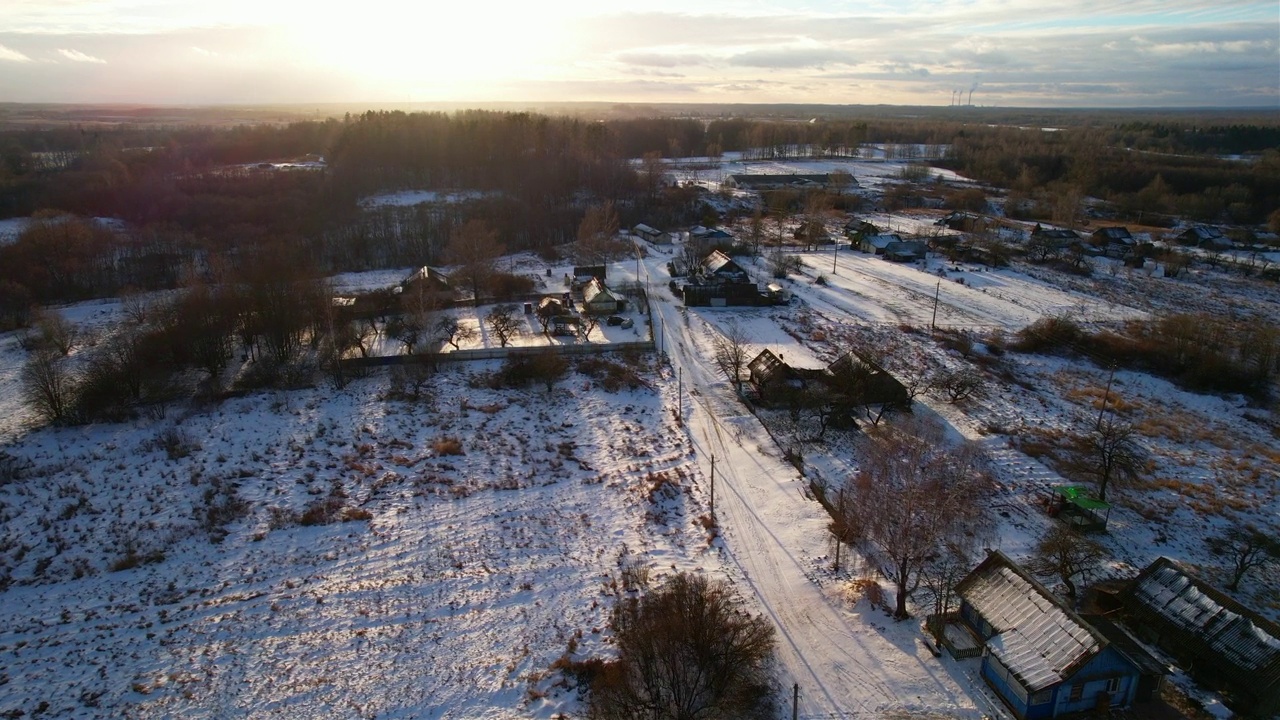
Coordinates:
x,y
1113,241
719,281
851,380
875,244
599,300
966,222
1221,643
651,234
1040,657
1205,236
906,251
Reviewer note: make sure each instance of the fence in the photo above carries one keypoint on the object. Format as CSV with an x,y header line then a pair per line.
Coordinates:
x,y
494,354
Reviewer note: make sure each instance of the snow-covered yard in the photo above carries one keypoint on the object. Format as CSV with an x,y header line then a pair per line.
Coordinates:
x,y
456,580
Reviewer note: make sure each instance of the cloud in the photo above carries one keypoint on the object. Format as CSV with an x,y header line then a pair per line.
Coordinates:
x,y
12,55
790,58
77,56
202,52
665,60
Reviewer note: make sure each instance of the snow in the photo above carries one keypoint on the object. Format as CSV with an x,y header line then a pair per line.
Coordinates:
x,y
407,198
475,572
11,228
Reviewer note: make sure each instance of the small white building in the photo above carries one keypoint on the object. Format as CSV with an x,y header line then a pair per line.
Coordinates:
x,y
652,234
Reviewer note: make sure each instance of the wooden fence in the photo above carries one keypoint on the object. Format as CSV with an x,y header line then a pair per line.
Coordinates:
x,y
494,354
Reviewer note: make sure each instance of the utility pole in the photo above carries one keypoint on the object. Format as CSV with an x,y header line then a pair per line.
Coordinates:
x,y
839,528
835,246
795,701
1105,397
713,489
933,324
680,394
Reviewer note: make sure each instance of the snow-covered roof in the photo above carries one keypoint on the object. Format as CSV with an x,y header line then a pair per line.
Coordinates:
x,y
1036,636
717,262
642,229
1194,606
595,291
881,241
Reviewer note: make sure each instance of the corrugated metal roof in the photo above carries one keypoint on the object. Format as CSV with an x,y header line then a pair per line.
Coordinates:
x,y
1178,598
1036,637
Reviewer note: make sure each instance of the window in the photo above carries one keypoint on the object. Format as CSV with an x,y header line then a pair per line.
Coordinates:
x,y
1077,692
1041,697
1113,685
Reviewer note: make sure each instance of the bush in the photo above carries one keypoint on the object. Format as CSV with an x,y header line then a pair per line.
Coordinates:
x,y
447,445
686,650
610,375
1047,335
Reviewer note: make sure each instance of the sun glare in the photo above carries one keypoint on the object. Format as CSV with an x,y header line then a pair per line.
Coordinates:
x,y
435,52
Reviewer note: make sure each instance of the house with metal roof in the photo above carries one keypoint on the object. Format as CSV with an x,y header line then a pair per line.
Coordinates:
x,y
1205,236
1038,655
1221,643
598,299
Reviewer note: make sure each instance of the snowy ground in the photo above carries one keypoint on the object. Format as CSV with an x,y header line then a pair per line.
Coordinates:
x,y
472,573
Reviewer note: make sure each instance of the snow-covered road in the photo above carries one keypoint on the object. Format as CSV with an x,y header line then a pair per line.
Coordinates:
x,y
849,661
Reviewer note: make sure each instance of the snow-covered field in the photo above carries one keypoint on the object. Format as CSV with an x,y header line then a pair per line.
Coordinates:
x,y
406,198
458,579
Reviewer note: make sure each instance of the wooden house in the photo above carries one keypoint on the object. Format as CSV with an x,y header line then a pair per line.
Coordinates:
x,y
1205,236
1221,643
1040,657
652,234
875,244
906,251
600,300
1113,241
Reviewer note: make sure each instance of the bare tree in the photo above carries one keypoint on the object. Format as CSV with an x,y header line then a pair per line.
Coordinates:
x,y
1245,548
687,650
912,494
448,330
474,248
596,233
960,385
548,366
1064,554
1111,452
939,575
731,349
503,322
48,386
55,332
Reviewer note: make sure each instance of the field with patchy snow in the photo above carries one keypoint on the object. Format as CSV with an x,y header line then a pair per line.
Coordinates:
x,y
323,552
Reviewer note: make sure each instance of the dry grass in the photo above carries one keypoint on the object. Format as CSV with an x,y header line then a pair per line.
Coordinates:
x,y
868,589
447,445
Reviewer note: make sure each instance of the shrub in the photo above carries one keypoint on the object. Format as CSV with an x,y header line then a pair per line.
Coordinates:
x,y
447,445
1051,334
686,650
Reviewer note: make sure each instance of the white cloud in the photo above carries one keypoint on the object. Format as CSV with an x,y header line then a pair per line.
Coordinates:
x,y
77,56
12,55
202,52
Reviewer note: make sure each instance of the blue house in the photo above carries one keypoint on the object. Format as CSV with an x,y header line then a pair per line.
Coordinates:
x,y
1041,658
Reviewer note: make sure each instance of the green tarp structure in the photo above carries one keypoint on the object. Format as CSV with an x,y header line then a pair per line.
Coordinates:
x,y
1076,496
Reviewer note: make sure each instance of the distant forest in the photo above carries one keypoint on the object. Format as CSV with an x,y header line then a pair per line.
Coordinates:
x,y
195,200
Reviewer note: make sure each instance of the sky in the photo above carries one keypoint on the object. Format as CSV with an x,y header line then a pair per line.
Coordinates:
x,y
1068,53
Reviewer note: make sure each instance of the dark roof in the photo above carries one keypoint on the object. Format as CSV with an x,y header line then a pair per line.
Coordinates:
x,y
1126,645
1202,233
1114,234
1239,635
1054,233
766,366
1037,637
907,247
